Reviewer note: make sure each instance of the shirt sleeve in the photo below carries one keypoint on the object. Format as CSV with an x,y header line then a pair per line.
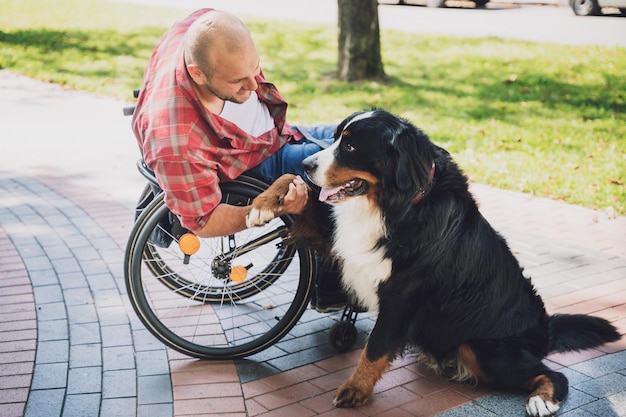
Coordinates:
x,y
191,188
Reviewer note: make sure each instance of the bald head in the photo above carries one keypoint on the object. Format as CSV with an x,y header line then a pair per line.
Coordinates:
x,y
213,35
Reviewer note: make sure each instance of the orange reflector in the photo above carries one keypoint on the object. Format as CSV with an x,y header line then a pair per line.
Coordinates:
x,y
238,273
189,243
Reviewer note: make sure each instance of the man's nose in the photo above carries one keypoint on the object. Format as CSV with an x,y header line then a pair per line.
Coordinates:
x,y
251,84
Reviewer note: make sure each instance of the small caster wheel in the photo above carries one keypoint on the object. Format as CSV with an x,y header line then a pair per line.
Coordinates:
x,y
343,336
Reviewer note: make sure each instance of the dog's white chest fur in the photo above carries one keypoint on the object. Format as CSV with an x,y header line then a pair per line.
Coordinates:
x,y
364,266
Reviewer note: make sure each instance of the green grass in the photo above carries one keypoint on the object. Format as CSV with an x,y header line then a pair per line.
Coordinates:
x,y
538,118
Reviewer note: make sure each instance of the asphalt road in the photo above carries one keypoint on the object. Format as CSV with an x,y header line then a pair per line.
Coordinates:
x,y
552,23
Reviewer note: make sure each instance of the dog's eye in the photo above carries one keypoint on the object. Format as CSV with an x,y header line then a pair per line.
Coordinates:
x,y
348,146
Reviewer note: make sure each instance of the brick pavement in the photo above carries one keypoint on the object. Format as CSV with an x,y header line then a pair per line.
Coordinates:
x,y
70,344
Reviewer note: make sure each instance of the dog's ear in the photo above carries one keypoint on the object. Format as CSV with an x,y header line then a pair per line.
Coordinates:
x,y
342,125
407,171
412,159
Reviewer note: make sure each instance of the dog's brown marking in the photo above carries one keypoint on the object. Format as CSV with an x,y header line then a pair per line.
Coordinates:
x,y
338,175
542,387
357,390
468,368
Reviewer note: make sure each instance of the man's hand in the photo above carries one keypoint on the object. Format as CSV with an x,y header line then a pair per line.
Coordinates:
x,y
295,200
289,194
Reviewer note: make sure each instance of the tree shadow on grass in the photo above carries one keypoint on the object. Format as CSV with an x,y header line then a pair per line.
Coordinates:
x,y
94,54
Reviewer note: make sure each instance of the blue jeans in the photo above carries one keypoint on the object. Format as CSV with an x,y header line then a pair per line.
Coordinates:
x,y
288,159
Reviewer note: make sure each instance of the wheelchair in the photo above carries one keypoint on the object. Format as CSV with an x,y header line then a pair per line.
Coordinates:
x,y
227,297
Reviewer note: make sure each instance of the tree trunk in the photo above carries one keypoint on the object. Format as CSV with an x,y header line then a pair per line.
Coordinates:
x,y
359,41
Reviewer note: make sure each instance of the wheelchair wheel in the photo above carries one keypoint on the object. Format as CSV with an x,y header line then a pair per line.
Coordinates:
x,y
236,296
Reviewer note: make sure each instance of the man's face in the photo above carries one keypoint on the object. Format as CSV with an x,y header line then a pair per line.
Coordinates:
x,y
233,76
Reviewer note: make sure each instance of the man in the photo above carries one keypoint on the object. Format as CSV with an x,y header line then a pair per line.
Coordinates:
x,y
206,114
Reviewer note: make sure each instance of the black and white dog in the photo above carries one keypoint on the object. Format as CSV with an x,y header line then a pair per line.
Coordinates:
x,y
414,247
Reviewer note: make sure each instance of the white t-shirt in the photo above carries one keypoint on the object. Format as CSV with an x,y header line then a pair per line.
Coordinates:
x,y
252,116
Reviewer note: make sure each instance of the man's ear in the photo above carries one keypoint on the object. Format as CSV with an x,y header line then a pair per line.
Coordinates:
x,y
195,73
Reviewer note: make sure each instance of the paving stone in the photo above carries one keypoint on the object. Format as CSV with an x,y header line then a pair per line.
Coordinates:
x,y
85,355
119,384
574,377
50,375
53,351
101,281
72,280
66,265
43,277
602,365
85,333
605,407
57,252
95,267
145,341
155,410
77,296
578,412
111,316
81,405
51,311
468,410
300,358
575,399
85,254
154,389
37,263
85,313
118,407
34,250
118,335
118,357
77,241
47,402
153,362
108,298
87,380
604,386
504,404
48,294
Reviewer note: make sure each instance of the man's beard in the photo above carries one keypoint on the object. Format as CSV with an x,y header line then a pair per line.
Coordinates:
x,y
217,94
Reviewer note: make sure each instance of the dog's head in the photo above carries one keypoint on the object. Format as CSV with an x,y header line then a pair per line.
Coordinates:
x,y
376,155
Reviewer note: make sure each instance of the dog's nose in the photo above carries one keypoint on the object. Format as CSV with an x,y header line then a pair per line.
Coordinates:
x,y
309,164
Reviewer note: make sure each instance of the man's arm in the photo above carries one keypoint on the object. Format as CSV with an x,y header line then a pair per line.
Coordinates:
x,y
226,219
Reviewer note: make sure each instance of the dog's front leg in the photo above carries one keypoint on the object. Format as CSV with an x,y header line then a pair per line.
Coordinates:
x,y
357,390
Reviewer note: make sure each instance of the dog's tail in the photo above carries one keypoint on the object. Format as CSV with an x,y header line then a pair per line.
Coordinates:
x,y
579,331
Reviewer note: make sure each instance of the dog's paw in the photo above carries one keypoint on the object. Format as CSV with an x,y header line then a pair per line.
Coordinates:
x,y
265,205
537,406
258,216
349,395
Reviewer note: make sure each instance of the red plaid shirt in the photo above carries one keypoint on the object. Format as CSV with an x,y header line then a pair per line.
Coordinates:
x,y
190,149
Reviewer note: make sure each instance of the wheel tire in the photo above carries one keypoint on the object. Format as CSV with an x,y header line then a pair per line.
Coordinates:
x,y
343,336
585,7
183,308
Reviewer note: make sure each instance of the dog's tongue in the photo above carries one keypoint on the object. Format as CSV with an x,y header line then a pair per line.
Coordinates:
x,y
327,192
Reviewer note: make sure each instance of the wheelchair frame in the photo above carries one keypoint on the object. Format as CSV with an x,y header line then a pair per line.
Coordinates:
x,y
238,295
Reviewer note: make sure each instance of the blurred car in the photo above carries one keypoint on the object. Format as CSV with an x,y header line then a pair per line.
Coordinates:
x,y
440,3
594,7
